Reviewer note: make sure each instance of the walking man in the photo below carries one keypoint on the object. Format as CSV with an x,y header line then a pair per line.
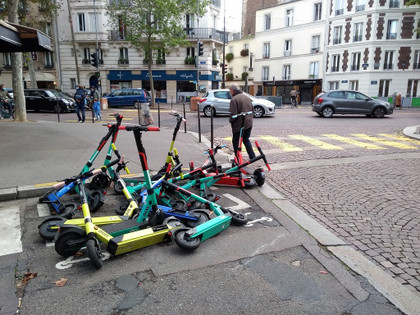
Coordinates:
x,y
241,103
79,97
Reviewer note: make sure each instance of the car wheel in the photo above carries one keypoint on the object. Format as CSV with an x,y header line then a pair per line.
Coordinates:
x,y
327,112
378,112
258,112
208,110
136,104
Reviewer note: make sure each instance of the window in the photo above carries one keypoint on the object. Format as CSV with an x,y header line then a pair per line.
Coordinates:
x,y
413,88
384,87
266,50
418,27
333,85
337,35
389,56
7,60
265,73
335,63
123,56
394,3
267,22
86,56
189,21
48,29
49,62
358,32
122,28
92,22
190,51
81,24
286,72
317,11
416,64
287,47
73,83
313,70
354,85
355,63
315,44
360,5
392,29
289,17
339,7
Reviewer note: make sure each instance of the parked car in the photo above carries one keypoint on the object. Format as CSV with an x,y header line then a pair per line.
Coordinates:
x,y
219,101
48,100
326,104
128,97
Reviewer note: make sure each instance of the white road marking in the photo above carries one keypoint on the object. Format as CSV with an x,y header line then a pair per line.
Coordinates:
x,y
43,210
10,234
251,223
240,204
70,261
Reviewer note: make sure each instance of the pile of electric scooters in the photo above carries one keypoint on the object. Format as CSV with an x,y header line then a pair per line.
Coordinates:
x,y
156,209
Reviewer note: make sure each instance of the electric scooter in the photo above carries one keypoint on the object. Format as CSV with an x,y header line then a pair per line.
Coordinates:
x,y
6,114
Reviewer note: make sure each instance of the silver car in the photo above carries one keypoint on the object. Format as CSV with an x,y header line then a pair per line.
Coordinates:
x,y
326,104
219,101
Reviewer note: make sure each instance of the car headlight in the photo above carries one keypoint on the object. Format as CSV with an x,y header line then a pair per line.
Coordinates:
x,y
65,101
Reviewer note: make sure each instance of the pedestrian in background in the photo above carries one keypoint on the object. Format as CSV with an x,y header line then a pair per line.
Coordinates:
x,y
5,98
97,110
80,98
293,97
241,103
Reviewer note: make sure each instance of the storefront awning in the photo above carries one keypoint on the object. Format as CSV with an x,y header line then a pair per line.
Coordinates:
x,y
40,76
19,38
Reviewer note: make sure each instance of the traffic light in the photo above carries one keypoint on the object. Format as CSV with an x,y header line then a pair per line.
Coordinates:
x,y
97,74
200,49
94,60
224,70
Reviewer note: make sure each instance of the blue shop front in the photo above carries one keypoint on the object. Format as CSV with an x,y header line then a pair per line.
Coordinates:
x,y
169,85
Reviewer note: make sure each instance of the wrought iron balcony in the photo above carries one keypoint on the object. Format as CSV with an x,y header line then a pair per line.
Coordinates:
x,y
201,33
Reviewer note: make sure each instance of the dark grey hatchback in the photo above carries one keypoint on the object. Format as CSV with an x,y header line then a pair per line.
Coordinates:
x,y
326,104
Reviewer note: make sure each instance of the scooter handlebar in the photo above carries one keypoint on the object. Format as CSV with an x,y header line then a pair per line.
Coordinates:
x,y
263,155
242,114
138,127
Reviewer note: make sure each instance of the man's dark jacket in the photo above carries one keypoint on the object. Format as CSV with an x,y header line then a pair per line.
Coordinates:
x,y
238,104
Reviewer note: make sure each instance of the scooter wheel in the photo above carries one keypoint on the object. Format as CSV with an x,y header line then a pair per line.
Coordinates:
x,y
186,242
94,252
95,200
65,244
100,181
118,188
201,218
250,182
239,218
48,229
259,176
120,210
68,210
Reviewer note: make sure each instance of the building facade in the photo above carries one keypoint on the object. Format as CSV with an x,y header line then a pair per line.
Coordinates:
x,y
373,47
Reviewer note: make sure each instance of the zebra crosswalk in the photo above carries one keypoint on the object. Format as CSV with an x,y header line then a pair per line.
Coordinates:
x,y
296,142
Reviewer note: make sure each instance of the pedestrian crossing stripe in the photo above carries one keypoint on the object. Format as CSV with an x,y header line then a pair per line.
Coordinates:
x,y
390,143
282,144
365,145
316,142
399,138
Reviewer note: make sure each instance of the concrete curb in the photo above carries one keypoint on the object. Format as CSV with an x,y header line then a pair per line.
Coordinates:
x,y
412,132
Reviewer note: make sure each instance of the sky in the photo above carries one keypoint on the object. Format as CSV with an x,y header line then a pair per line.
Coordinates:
x,y
234,13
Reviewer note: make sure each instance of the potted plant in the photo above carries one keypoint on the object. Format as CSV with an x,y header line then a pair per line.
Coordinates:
x,y
229,76
229,57
123,61
244,75
244,52
189,60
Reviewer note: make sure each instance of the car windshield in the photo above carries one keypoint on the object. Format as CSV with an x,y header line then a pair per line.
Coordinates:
x,y
52,93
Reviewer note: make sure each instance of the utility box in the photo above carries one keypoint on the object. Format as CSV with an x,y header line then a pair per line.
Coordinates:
x,y
194,103
104,103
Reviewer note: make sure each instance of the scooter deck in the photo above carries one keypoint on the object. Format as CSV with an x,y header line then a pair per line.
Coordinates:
x,y
138,239
211,227
123,227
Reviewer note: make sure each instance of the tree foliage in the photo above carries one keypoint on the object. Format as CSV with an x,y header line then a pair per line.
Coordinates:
x,y
153,25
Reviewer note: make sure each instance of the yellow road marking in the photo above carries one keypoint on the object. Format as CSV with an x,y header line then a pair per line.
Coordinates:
x,y
399,138
389,143
284,145
316,142
365,145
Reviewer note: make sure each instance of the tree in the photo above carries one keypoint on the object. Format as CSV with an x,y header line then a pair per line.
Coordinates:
x,y
18,12
154,25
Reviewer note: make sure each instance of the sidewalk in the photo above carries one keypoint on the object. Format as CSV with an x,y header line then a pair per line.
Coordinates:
x,y
35,155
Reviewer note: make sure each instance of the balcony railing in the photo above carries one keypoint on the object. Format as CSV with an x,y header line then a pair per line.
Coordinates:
x,y
287,53
355,68
314,50
337,41
334,69
123,62
391,35
388,66
394,4
339,12
357,38
202,33
416,66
